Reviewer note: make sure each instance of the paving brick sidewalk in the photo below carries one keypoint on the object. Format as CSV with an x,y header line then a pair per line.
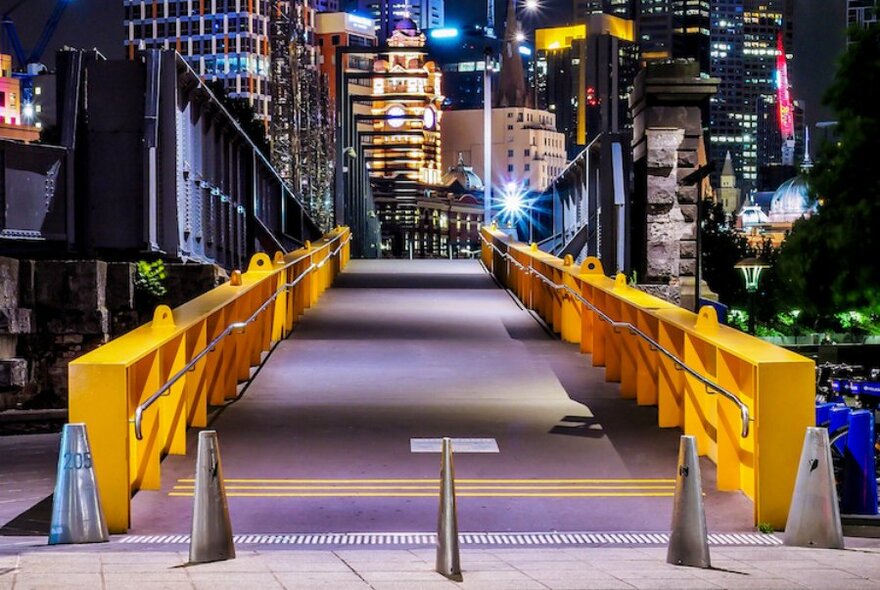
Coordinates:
x,y
24,564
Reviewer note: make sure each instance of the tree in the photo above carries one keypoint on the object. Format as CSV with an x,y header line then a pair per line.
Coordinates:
x,y
722,247
829,263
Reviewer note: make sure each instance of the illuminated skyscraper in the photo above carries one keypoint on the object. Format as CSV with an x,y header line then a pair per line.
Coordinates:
x,y
746,37
427,14
226,40
621,8
674,29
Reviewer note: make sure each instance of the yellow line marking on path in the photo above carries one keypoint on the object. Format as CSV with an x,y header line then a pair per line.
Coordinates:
x,y
609,494
436,487
432,479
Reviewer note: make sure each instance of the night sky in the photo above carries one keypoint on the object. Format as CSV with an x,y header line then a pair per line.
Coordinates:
x,y
98,23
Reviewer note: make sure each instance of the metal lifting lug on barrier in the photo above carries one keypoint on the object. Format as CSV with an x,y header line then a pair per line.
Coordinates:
x,y
140,392
746,402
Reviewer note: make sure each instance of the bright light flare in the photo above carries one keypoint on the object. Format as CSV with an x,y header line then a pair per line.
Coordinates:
x,y
513,200
520,36
27,110
532,5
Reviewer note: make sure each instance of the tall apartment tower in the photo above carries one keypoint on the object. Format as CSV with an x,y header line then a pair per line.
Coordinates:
x,y
745,37
226,40
621,8
427,14
674,29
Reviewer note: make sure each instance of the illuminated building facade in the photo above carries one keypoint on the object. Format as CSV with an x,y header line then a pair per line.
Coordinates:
x,y
427,14
226,40
11,125
585,76
404,143
747,37
621,8
341,29
674,29
461,56
527,150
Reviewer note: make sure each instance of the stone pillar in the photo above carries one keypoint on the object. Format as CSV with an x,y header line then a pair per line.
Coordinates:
x,y
667,106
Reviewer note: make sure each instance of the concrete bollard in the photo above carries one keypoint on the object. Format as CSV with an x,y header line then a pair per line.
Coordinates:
x,y
448,561
689,540
211,538
814,515
77,516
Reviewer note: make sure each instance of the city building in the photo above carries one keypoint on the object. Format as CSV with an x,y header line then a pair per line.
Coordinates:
x,y
621,8
861,13
527,150
403,145
341,29
674,29
461,56
771,214
427,14
728,194
11,123
585,76
451,215
227,45
749,50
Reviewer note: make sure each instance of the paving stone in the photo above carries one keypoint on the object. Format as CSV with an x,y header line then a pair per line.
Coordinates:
x,y
675,584
59,579
234,582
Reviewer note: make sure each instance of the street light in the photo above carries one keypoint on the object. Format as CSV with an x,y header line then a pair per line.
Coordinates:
x,y
751,269
514,204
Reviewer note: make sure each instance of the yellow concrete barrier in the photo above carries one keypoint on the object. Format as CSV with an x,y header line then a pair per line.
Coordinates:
x,y
629,333
240,320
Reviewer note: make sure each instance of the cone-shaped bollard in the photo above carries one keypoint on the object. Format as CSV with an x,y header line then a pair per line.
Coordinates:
x,y
77,516
814,515
211,531
689,540
448,562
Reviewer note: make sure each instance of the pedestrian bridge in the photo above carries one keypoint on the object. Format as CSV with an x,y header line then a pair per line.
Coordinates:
x,y
328,379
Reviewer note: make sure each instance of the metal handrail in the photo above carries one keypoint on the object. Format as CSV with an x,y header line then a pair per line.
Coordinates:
x,y
745,416
237,327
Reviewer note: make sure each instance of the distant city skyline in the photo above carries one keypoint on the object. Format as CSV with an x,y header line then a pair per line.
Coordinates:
x,y
815,43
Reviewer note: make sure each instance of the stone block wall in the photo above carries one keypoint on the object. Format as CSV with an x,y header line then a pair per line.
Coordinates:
x,y
667,105
53,311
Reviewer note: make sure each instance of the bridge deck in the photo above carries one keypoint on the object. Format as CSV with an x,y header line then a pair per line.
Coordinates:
x,y
320,441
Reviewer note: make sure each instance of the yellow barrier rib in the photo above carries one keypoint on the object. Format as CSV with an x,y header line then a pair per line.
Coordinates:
x,y
667,356
233,328
139,392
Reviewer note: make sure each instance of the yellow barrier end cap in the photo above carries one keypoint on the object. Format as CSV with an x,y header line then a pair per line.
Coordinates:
x,y
259,262
235,278
534,247
568,260
494,226
620,281
592,266
163,317
278,258
307,245
707,320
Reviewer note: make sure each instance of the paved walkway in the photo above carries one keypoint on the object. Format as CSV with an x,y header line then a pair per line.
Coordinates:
x,y
398,350
113,567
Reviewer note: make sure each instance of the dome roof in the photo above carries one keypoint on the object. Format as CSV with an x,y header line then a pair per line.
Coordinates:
x,y
464,175
407,26
792,200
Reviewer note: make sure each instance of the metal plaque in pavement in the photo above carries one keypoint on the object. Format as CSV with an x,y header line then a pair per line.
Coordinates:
x,y
459,445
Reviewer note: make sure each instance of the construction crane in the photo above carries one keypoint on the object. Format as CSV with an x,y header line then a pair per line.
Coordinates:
x,y
29,64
